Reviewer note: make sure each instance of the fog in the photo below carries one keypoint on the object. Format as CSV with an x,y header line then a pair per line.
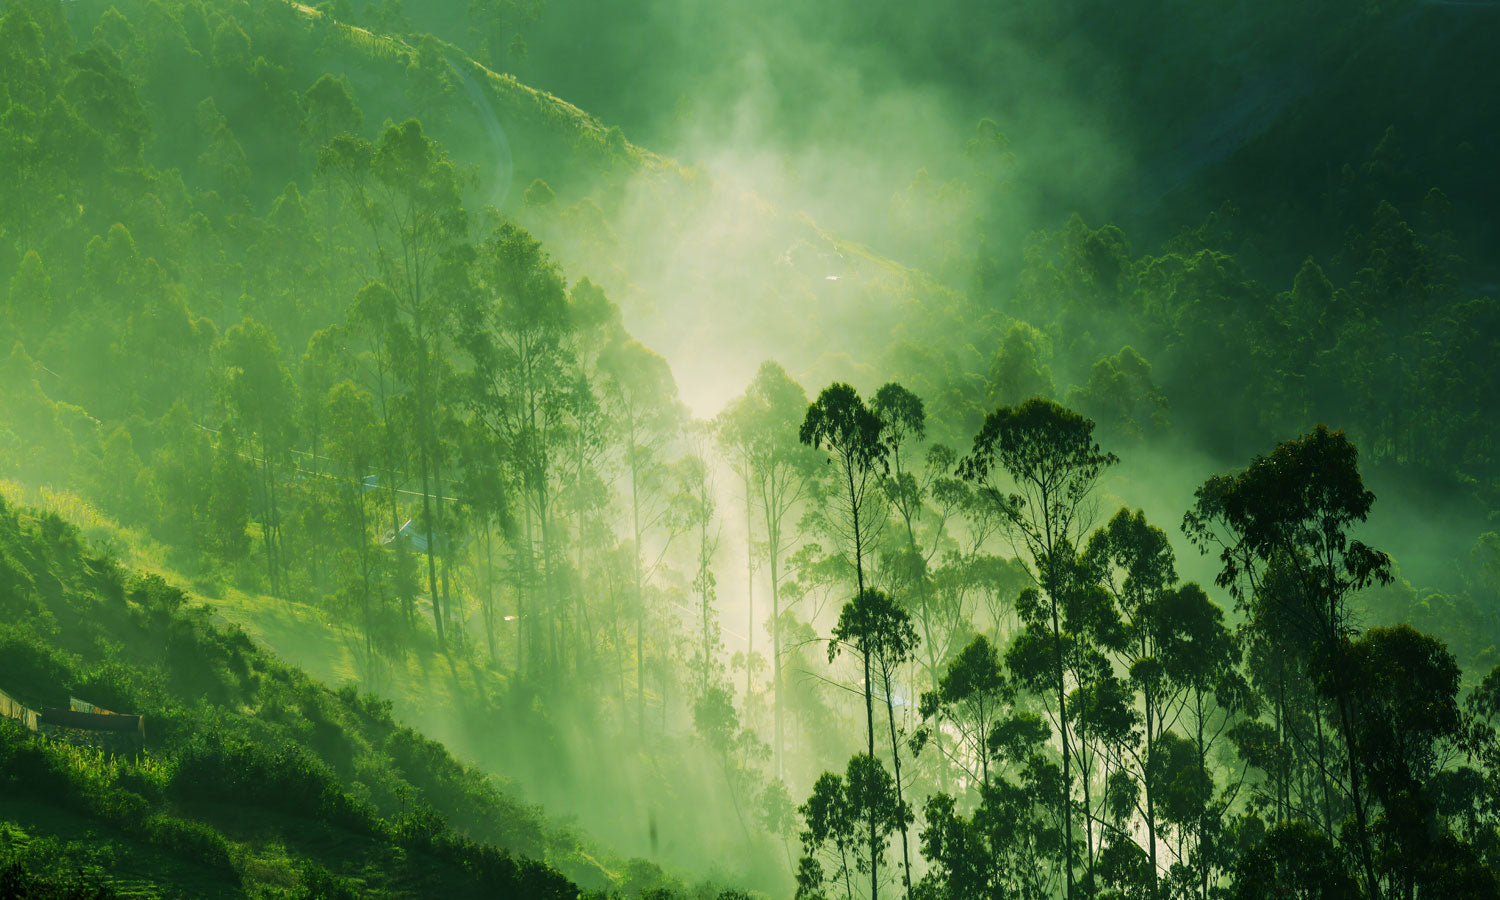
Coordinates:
x,y
983,205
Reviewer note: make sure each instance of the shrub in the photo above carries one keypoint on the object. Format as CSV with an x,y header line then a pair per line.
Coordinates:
x,y
193,840
496,869
48,869
20,883
33,672
320,884
114,685
26,766
284,779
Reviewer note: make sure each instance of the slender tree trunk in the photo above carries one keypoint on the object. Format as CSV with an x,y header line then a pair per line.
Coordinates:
x,y
703,597
583,635
728,767
1283,776
265,523
859,574
1067,755
489,592
1322,775
362,546
619,645
432,585
640,599
1146,784
619,667
890,712
543,508
1202,747
937,732
1085,771
442,554
749,584
279,579
582,631
1356,795
770,500
525,650
932,665
580,639
390,477
776,651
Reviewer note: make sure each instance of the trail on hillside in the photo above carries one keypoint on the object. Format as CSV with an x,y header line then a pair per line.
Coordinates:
x,y
504,162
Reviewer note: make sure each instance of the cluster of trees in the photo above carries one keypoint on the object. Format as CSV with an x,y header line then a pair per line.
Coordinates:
x,y
311,366
318,400
370,399
1121,736
1376,320
1385,332
1384,339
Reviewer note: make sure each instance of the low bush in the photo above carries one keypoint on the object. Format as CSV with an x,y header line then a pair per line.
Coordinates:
x,y
49,869
20,883
33,672
27,767
285,779
192,840
320,884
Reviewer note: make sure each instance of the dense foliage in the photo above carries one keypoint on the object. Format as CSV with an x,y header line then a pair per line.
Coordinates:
x,y
274,320
251,774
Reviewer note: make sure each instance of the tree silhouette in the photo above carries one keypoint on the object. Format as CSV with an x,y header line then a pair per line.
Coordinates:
x,y
840,423
1293,509
882,633
1053,463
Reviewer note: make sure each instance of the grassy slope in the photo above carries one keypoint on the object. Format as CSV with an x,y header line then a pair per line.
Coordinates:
x,y
342,787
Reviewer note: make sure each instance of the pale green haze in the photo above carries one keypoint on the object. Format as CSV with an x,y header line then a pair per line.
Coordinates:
x,y
660,449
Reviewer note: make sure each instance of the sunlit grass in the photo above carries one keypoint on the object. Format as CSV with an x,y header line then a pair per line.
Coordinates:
x,y
131,546
97,769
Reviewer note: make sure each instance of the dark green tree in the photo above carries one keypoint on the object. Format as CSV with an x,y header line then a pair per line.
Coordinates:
x,y
1047,456
832,851
883,635
853,436
1294,509
523,376
259,397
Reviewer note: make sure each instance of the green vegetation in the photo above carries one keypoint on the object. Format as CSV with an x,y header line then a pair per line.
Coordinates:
x,y
252,779
333,354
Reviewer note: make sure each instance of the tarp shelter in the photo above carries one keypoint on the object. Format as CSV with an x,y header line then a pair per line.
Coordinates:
x,y
14,709
77,705
81,723
67,718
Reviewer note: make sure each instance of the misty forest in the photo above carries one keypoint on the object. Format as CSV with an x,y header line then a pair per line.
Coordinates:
x,y
756,449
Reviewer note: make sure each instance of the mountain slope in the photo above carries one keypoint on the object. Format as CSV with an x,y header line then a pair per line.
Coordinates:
x,y
252,775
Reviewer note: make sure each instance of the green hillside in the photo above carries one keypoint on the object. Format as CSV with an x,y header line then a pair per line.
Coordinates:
x,y
945,464
254,779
